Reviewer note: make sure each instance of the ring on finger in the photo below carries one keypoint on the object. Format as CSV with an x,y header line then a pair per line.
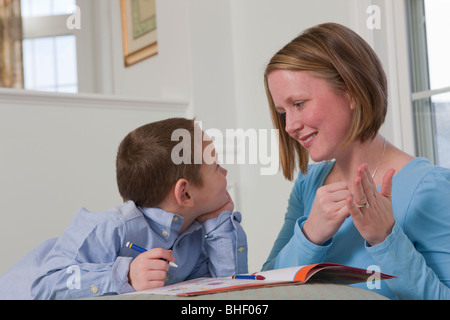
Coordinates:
x,y
365,205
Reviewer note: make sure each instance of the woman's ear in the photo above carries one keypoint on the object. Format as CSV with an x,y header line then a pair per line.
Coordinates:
x,y
182,192
353,103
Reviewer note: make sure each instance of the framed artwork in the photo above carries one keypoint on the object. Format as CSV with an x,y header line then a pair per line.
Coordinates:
x,y
138,30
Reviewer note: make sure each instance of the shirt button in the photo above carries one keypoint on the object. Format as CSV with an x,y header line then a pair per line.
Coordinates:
x,y
94,289
175,219
165,233
241,249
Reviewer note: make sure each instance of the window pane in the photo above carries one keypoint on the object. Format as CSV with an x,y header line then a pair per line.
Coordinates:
x,y
63,6
430,52
25,6
45,62
441,106
425,127
28,63
39,8
66,62
432,117
50,64
438,27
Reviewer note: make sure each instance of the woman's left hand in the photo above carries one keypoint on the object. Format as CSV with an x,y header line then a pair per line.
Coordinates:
x,y
372,210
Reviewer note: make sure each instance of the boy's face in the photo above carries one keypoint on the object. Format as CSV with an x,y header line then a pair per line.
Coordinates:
x,y
212,195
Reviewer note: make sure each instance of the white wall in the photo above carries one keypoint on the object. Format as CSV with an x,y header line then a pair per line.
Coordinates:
x,y
166,75
58,152
260,29
58,155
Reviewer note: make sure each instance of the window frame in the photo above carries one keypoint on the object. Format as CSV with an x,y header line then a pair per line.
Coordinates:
x,y
421,96
51,26
92,69
390,42
45,26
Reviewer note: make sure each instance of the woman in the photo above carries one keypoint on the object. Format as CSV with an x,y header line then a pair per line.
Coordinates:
x,y
364,202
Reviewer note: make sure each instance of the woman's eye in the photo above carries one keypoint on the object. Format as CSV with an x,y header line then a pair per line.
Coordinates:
x,y
298,105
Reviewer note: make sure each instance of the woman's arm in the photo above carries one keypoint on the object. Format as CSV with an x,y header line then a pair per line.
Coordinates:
x,y
292,248
417,250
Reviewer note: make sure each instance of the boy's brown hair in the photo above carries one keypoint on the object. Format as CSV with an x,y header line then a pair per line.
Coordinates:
x,y
339,55
144,167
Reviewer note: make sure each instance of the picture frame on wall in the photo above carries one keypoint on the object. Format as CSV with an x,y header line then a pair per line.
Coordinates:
x,y
139,30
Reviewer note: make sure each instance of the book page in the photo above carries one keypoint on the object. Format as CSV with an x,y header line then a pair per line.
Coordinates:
x,y
285,274
202,285
329,272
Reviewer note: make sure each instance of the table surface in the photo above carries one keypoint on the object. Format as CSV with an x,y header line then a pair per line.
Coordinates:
x,y
309,291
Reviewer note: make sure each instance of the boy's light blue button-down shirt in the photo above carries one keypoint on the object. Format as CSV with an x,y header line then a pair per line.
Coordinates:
x,y
91,259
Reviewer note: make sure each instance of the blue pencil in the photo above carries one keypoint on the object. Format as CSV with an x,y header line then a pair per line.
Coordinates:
x,y
142,250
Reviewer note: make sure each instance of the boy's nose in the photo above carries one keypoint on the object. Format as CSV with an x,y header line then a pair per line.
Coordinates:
x,y
224,171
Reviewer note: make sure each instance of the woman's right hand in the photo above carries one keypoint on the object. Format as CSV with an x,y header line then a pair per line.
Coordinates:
x,y
328,212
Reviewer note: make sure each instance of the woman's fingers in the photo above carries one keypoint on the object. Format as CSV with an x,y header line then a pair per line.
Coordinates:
x,y
386,187
375,220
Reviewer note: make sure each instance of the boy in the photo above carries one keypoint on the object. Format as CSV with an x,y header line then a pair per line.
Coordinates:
x,y
178,212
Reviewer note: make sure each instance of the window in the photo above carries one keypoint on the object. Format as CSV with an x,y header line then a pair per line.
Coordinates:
x,y
49,47
430,64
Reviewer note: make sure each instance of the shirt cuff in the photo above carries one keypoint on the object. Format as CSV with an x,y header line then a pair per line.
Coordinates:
x,y
301,236
120,275
222,222
383,246
226,244
301,251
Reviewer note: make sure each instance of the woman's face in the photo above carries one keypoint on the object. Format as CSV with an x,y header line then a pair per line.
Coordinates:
x,y
318,115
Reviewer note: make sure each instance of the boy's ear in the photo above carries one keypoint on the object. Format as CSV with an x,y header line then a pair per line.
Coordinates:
x,y
183,193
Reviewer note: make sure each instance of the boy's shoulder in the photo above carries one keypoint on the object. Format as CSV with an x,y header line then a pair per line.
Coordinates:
x,y
127,211
120,214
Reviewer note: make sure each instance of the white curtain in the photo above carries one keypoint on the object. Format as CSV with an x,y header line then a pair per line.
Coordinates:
x,y
11,65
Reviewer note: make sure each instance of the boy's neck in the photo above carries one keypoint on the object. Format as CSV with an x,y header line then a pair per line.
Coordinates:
x,y
174,208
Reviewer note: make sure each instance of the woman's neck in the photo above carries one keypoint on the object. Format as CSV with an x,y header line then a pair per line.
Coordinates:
x,y
372,152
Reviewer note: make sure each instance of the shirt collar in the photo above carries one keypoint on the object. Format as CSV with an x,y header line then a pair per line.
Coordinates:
x,y
165,224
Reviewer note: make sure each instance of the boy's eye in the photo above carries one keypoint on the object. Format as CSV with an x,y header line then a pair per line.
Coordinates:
x,y
281,113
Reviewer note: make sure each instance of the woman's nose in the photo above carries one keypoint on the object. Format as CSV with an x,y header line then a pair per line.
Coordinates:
x,y
293,124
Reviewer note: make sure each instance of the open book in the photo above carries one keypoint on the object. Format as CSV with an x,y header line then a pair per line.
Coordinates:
x,y
324,272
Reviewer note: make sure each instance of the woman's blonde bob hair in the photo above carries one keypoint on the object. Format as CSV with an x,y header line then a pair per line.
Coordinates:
x,y
337,54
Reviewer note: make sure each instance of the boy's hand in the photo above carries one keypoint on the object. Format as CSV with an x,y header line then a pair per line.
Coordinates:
x,y
148,271
229,206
